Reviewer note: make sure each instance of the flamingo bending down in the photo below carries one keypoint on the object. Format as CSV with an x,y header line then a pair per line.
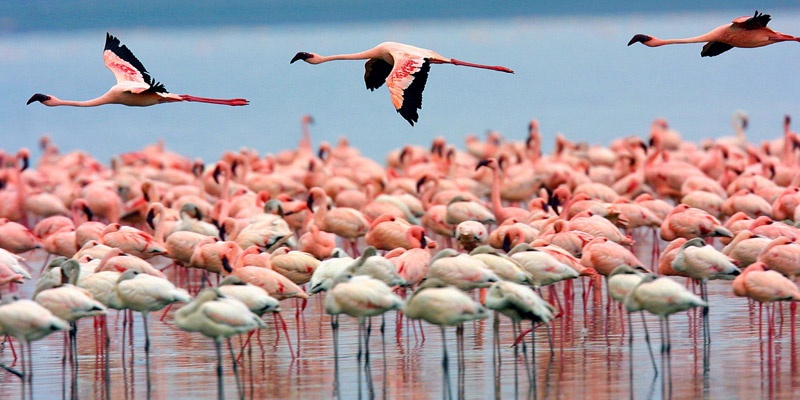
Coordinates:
x,y
404,68
742,32
135,86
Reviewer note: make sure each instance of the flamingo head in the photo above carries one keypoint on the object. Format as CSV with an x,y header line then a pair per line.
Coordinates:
x,y
303,56
640,38
41,98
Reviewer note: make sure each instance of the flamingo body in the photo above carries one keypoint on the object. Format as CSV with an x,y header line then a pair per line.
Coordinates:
x,y
402,67
135,87
746,32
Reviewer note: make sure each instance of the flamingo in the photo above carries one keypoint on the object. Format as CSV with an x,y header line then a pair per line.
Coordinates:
x,y
135,87
766,286
744,32
361,297
146,293
443,305
28,321
217,316
520,302
326,273
404,68
662,297
621,283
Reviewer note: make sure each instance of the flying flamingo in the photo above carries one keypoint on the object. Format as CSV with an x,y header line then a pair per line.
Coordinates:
x,y
404,68
742,32
135,86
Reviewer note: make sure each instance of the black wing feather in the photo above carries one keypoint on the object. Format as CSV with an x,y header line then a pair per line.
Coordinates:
x,y
113,44
375,72
757,21
712,49
412,96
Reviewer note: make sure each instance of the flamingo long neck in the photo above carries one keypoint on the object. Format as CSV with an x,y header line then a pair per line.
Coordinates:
x,y
322,211
371,53
54,101
497,204
706,37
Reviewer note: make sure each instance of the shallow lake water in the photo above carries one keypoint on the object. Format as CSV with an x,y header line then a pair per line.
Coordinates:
x,y
591,357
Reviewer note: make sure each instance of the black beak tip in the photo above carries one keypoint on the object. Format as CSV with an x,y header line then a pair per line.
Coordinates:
x,y
300,56
38,97
640,38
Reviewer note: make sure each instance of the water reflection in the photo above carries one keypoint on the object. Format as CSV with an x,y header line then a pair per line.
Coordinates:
x,y
598,353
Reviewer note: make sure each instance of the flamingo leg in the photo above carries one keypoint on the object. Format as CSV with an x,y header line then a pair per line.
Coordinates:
x,y
646,339
235,370
335,328
218,347
533,360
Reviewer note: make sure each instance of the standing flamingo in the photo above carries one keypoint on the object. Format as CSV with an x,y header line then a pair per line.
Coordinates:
x,y
520,302
443,305
217,316
404,68
742,32
662,297
27,321
135,86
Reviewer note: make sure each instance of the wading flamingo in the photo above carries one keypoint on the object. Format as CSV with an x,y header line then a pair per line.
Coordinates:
x,y
27,321
742,32
217,316
135,86
404,68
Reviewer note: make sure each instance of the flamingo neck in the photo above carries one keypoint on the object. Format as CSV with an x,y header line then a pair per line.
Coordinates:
x,y
655,42
364,55
54,101
497,204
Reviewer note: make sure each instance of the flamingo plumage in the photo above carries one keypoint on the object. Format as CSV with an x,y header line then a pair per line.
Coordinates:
x,y
744,32
404,68
135,87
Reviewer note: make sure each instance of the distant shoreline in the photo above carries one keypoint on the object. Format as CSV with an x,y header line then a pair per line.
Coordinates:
x,y
19,16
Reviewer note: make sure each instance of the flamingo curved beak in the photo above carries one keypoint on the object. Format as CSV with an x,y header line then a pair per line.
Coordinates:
x,y
640,38
301,56
38,97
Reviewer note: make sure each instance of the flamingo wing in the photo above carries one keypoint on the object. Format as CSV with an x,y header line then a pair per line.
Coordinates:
x,y
127,68
376,72
757,21
406,82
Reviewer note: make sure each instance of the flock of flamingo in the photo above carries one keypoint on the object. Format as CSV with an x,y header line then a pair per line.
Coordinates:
x,y
415,235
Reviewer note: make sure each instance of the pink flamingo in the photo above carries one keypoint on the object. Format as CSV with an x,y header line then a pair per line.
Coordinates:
x,y
135,86
404,68
766,286
744,32
347,223
388,232
501,213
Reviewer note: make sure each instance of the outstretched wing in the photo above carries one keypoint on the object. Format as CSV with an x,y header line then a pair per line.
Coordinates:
x,y
406,82
757,21
127,68
712,49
